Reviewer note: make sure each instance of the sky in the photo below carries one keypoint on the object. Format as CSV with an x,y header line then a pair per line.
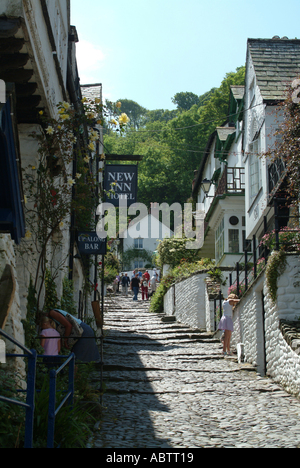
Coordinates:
x,y
149,50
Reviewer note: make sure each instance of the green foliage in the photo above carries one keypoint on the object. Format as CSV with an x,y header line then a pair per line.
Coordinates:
x,y
72,425
172,142
12,417
132,109
216,275
52,189
132,254
67,302
275,268
29,324
51,299
109,274
184,270
184,101
286,148
173,251
289,239
111,268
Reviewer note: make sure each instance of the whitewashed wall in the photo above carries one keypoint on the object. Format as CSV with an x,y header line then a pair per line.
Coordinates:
x,y
283,364
189,302
256,320
14,325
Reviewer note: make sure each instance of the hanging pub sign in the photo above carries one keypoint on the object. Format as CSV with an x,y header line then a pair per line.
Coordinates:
x,y
120,183
90,244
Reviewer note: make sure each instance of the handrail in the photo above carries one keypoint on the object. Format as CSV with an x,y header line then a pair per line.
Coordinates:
x,y
53,411
16,342
31,376
260,252
29,405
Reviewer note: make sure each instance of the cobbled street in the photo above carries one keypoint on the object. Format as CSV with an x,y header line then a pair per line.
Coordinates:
x,y
168,386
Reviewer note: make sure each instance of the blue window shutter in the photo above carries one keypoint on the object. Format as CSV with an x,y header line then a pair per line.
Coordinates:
x,y
12,218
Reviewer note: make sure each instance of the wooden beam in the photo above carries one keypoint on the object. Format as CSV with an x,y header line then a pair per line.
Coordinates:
x,y
11,45
13,61
123,157
9,27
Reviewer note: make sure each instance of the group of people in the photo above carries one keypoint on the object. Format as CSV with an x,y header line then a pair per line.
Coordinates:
x,y
59,328
140,281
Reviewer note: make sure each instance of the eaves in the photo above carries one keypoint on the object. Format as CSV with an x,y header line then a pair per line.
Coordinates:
x,y
216,200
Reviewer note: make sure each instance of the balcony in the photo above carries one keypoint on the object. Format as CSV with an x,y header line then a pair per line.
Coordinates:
x,y
231,181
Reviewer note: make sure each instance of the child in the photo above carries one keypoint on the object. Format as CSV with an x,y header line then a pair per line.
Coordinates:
x,y
51,346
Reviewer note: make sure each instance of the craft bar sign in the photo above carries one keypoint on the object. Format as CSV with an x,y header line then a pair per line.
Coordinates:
x,y
120,183
90,244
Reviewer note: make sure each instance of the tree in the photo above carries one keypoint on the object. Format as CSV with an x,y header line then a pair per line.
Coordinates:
x,y
134,111
184,101
173,142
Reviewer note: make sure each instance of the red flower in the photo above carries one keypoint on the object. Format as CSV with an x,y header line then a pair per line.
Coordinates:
x,y
54,197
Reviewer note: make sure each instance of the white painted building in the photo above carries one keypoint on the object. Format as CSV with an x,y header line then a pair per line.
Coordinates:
x,y
271,66
144,234
38,66
259,321
220,185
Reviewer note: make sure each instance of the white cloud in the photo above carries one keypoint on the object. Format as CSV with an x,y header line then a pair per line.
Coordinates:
x,y
89,59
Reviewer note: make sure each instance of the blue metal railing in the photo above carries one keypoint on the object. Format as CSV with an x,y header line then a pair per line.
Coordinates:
x,y
52,413
29,405
31,374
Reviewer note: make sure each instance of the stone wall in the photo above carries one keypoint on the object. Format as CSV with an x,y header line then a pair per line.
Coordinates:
x,y
189,301
14,325
257,326
257,321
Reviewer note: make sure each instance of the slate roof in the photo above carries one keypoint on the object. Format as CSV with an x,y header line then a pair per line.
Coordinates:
x,y
238,91
276,63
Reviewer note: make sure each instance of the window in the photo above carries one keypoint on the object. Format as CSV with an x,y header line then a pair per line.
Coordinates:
x,y
220,241
233,240
139,244
138,264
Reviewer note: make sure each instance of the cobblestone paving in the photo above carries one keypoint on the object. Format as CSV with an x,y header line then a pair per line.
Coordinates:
x,y
167,386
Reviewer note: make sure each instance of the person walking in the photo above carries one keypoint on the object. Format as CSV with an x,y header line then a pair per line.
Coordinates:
x,y
125,284
147,276
226,323
144,287
135,286
153,283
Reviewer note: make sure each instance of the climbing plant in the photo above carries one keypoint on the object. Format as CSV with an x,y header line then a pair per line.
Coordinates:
x,y
54,190
275,268
67,302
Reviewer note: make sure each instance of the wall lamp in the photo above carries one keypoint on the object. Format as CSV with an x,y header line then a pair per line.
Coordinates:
x,y
206,184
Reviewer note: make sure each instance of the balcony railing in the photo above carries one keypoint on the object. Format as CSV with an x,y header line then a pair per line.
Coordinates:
x,y
231,181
